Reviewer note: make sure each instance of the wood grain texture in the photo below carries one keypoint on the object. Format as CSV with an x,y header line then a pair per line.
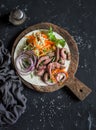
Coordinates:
x,y
78,88
73,64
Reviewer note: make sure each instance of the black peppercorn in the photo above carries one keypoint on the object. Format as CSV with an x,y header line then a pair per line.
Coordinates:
x,y
17,17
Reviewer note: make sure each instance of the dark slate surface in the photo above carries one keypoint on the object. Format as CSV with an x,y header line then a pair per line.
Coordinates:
x,y
59,110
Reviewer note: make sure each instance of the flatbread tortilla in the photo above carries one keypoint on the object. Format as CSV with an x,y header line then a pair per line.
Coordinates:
x,y
36,80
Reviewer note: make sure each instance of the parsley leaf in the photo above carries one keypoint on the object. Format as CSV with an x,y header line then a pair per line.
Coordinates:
x,y
52,37
31,75
61,42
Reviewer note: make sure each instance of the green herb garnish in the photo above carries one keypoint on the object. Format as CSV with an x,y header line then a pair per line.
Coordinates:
x,y
44,50
53,59
26,63
59,42
28,46
31,75
50,80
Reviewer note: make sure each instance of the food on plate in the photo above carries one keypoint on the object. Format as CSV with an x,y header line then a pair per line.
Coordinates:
x,y
25,62
44,55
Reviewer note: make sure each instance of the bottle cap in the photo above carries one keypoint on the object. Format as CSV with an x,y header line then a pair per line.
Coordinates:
x,y
17,17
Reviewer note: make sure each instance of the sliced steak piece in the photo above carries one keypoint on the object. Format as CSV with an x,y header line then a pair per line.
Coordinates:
x,y
52,66
65,54
40,72
57,54
42,59
47,79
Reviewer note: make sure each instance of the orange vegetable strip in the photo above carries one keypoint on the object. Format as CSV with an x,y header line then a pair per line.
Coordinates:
x,y
56,71
44,35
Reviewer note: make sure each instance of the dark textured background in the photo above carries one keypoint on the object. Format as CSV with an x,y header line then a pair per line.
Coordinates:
x,y
59,110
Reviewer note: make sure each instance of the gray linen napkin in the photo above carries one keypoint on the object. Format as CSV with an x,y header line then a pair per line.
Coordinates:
x,y
12,101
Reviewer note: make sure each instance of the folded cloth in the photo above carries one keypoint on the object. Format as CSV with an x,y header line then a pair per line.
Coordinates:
x,y
12,101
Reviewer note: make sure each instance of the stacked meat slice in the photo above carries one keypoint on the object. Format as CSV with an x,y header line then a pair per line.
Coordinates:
x,y
53,60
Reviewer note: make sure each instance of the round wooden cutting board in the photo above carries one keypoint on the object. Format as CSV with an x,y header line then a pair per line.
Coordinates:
x,y
76,86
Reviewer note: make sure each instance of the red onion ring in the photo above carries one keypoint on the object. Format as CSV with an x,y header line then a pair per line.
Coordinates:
x,y
31,53
19,62
64,77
